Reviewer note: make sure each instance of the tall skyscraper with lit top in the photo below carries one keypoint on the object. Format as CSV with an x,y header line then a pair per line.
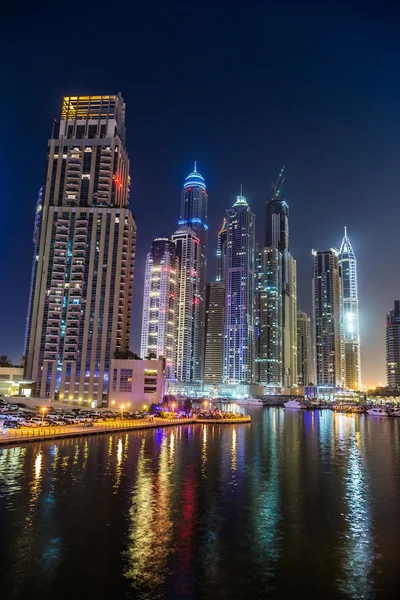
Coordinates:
x,y
239,298
81,299
350,322
160,301
191,244
277,236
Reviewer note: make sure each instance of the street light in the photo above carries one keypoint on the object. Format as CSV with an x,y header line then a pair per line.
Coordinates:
x,y
43,411
173,406
122,411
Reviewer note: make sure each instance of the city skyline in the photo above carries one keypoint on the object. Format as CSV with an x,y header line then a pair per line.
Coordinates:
x,y
324,94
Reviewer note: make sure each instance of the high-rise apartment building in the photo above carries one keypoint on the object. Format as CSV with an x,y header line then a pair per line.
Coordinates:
x,y
268,318
191,295
221,253
327,305
160,300
350,323
305,373
214,333
239,298
277,236
189,330
393,346
81,300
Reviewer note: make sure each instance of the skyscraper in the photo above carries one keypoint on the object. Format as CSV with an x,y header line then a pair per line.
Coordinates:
x,y
268,317
189,340
350,322
304,354
277,236
393,346
221,253
239,303
214,333
327,318
81,301
193,216
160,301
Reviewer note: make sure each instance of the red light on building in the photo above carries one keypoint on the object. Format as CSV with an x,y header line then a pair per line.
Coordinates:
x,y
196,301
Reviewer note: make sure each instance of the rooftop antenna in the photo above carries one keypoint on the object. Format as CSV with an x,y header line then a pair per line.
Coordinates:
x,y
195,165
241,189
345,231
277,186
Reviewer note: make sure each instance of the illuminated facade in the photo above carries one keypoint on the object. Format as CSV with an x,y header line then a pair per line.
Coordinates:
x,y
192,252
327,304
350,323
81,301
160,301
268,318
214,333
393,346
189,330
221,253
277,236
239,302
305,373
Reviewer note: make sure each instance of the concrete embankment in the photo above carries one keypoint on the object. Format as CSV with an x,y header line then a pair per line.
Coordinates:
x,y
21,436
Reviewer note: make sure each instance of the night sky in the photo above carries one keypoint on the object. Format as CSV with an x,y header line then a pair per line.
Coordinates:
x,y
240,87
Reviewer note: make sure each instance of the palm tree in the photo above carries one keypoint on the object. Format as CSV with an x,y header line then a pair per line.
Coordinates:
x,y
5,361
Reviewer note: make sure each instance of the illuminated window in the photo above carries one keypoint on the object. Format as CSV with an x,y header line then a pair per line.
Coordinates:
x,y
125,383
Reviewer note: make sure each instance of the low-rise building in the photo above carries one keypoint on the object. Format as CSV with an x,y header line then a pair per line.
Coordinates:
x,y
135,384
12,381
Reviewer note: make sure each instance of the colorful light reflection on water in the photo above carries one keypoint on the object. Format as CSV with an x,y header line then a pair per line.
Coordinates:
x,y
296,503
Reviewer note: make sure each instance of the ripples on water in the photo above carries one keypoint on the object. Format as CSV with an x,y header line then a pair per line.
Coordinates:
x,y
296,504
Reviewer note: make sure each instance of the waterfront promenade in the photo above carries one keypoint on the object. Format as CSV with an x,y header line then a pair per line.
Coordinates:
x,y
27,434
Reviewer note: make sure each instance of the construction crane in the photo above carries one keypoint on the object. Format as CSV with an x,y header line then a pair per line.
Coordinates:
x,y
277,186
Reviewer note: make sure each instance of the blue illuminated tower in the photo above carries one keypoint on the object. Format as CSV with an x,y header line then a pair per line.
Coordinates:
x,y
350,322
192,253
239,302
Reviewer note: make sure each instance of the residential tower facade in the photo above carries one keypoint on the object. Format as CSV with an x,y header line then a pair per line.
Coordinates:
x,y
160,300
239,300
81,301
393,346
327,305
351,363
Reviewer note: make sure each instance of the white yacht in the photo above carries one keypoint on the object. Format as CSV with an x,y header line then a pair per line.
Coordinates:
x,y
293,405
249,401
378,411
395,412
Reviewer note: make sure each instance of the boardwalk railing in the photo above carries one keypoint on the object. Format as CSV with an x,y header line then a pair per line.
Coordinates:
x,y
27,434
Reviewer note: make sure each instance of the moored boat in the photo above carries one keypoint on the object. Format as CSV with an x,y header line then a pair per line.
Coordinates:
x,y
378,411
395,412
294,405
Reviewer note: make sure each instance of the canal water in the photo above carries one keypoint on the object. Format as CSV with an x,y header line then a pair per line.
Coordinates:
x,y
295,505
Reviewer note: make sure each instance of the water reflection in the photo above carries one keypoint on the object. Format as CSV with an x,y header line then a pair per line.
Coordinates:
x,y
293,504
150,524
233,457
357,542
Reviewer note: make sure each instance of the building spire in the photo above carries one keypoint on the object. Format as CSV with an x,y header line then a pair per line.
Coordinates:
x,y
195,166
241,189
345,231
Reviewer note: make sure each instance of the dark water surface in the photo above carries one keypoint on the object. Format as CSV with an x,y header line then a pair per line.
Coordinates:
x,y
295,505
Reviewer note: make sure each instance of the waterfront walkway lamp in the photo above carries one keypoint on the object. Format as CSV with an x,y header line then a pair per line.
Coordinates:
x,y
43,411
122,411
